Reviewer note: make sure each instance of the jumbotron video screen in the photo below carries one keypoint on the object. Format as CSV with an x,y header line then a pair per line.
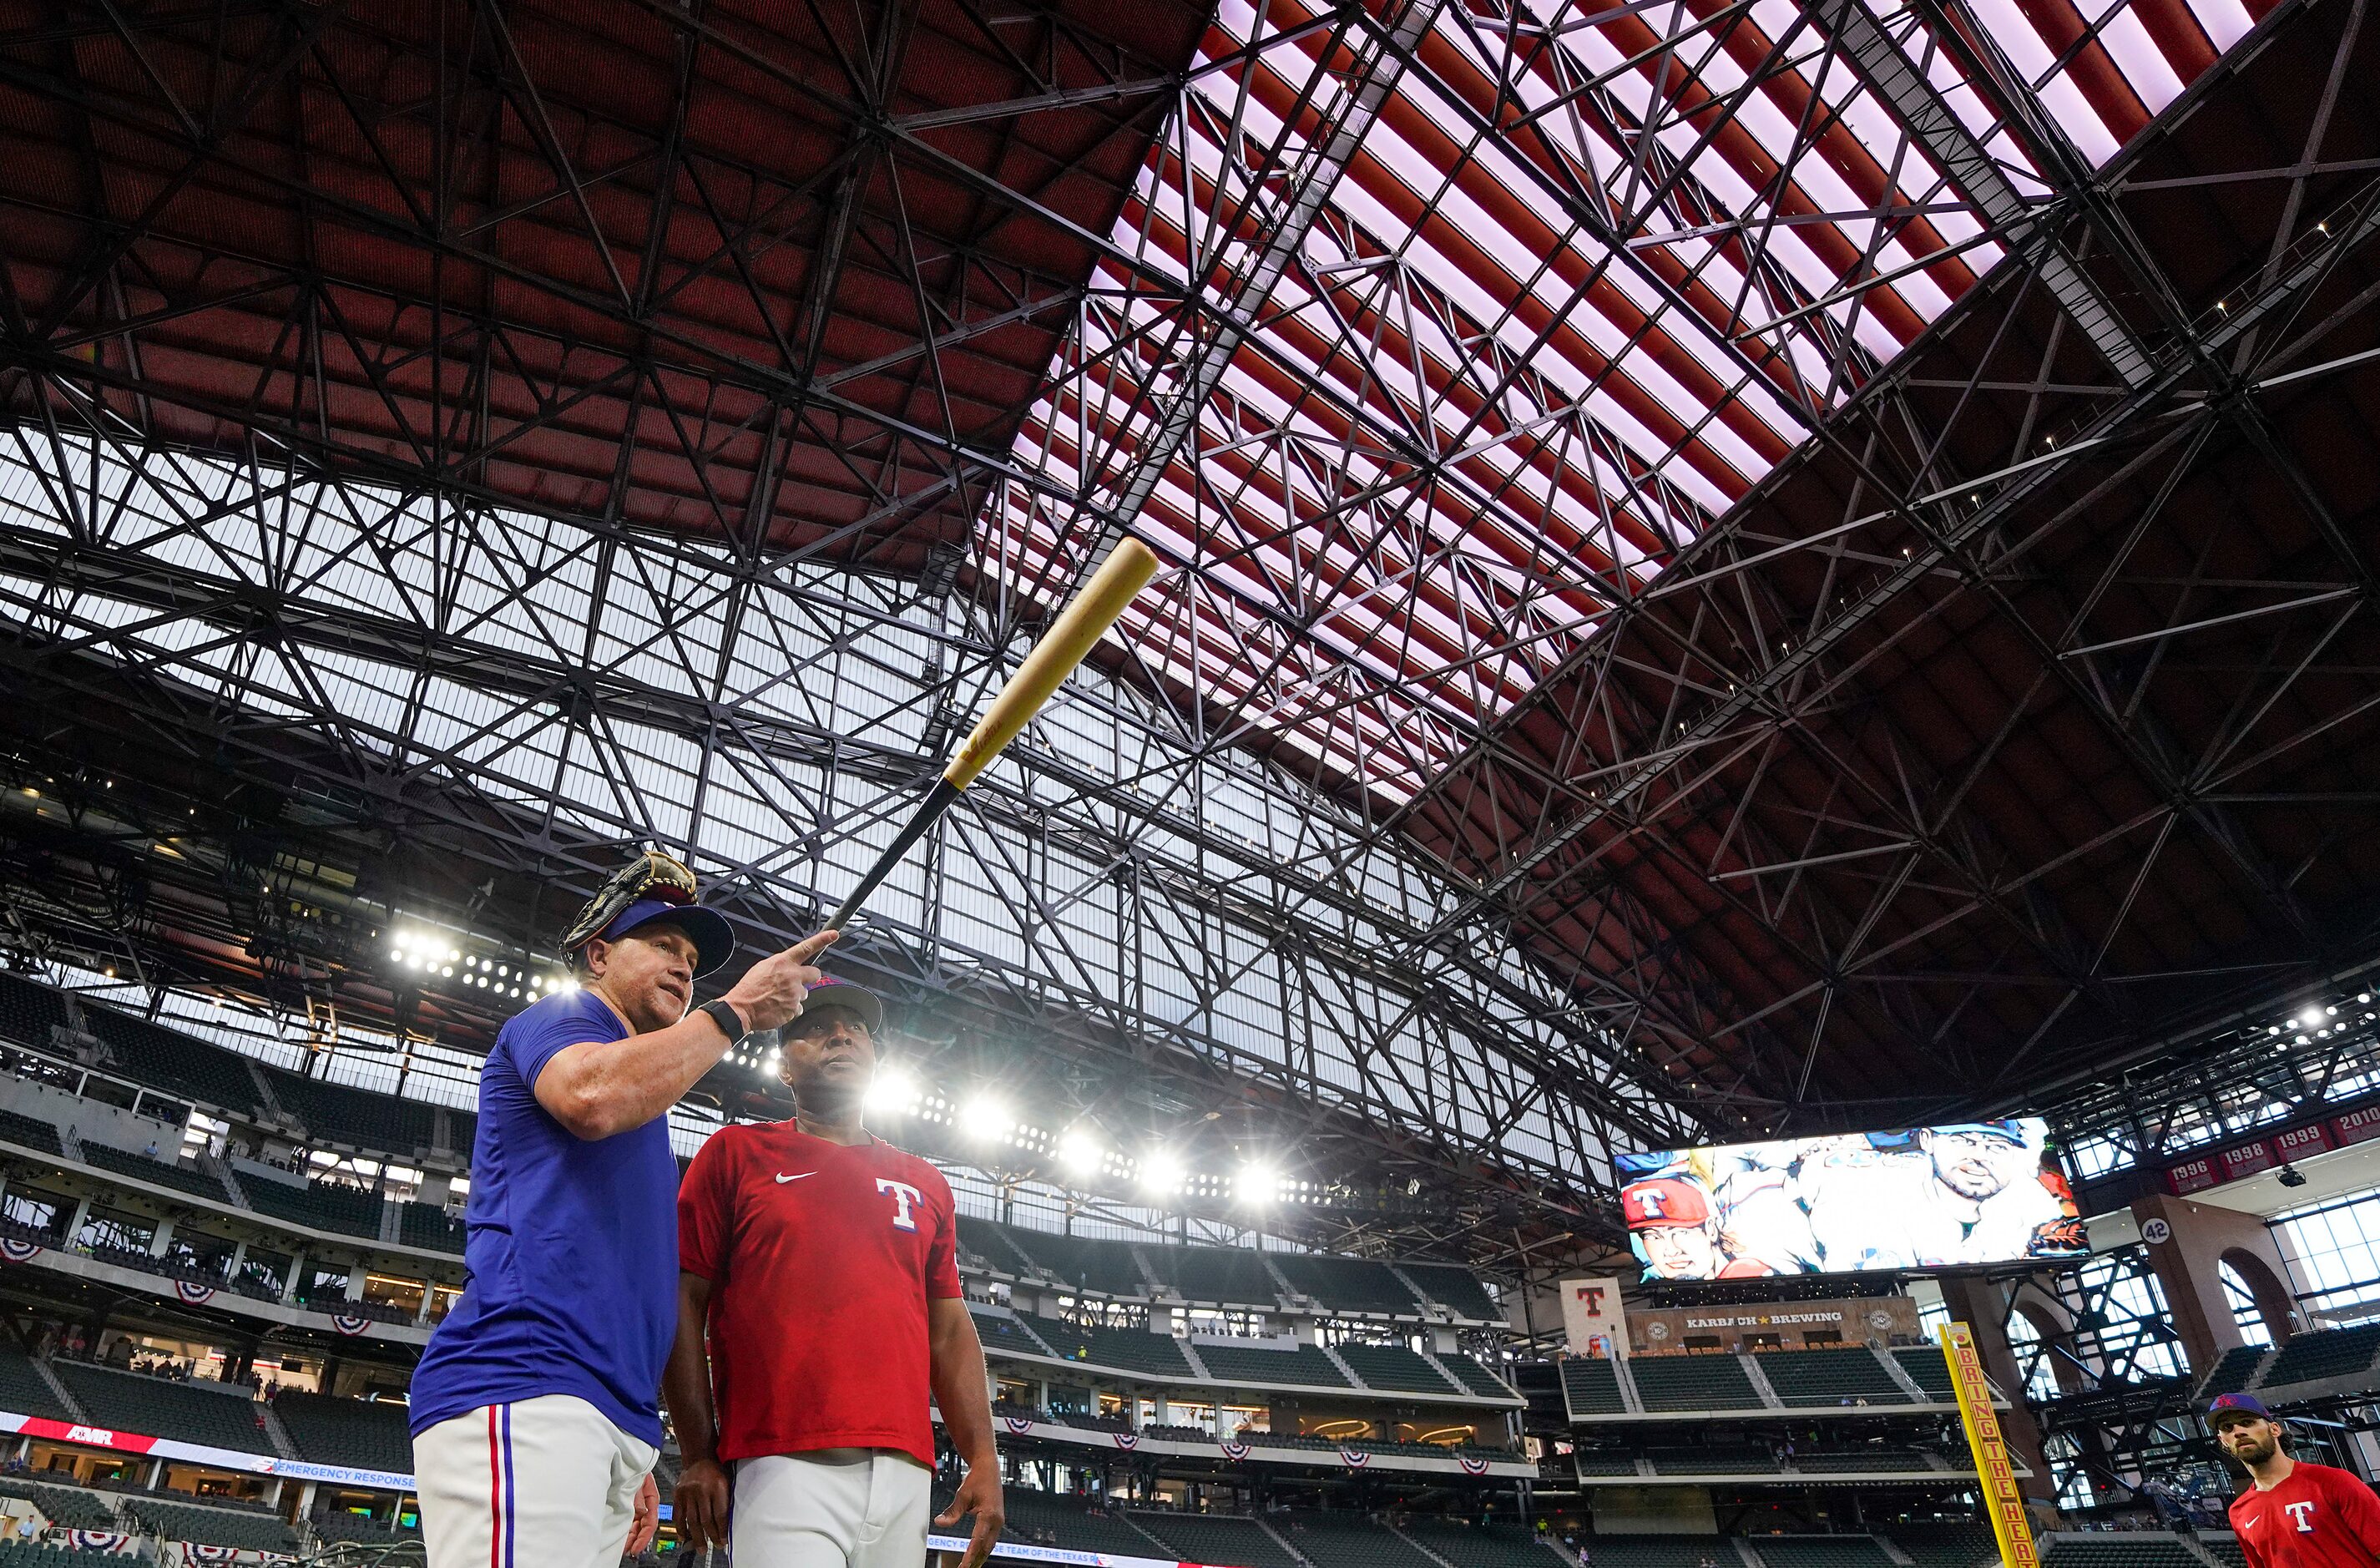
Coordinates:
x,y
1928,1198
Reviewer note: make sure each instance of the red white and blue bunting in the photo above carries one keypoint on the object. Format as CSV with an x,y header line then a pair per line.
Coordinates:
x,y
351,1323
98,1540
196,1294
1355,1457
16,1251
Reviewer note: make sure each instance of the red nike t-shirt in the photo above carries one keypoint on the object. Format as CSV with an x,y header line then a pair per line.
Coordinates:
x,y
820,1259
2320,1517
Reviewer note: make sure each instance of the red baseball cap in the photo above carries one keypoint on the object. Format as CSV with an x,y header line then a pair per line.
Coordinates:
x,y
1665,1202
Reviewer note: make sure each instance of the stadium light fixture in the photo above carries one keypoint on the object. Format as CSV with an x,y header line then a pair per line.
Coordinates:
x,y
1258,1183
894,1093
987,1117
2310,1017
1080,1152
1160,1174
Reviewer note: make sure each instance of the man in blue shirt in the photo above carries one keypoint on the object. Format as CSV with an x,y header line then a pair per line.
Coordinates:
x,y
534,1415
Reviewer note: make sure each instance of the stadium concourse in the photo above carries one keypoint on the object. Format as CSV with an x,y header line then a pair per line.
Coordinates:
x,y
1752,739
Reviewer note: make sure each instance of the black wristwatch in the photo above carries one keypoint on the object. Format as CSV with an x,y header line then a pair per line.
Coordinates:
x,y
729,1020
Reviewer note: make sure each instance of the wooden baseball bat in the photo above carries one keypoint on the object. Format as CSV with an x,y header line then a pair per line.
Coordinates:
x,y
1124,572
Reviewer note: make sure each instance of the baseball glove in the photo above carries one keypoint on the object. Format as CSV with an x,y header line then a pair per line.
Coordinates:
x,y
651,875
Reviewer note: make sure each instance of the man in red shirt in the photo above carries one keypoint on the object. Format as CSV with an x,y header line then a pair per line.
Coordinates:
x,y
821,1264
2298,1514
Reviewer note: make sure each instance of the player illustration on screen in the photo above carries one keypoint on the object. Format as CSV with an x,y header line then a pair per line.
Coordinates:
x,y
1969,1192
1673,1226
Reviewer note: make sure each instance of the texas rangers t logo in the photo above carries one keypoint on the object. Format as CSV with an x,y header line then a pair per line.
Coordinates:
x,y
905,1201
2303,1514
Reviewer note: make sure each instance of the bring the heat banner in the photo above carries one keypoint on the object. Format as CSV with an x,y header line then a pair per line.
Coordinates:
x,y
2004,1504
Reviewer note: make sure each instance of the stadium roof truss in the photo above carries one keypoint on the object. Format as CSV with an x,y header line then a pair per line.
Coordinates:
x,y
545,429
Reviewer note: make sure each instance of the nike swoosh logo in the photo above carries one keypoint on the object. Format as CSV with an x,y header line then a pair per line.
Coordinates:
x,y
782,1179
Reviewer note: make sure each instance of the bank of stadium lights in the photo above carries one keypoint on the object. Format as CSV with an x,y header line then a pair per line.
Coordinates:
x,y
2322,1020
1078,1153
1161,1175
435,956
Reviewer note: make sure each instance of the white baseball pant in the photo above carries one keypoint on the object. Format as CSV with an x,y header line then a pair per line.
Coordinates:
x,y
541,1483
830,1508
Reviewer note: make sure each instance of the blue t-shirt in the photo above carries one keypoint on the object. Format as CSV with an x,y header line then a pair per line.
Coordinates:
x,y
572,1256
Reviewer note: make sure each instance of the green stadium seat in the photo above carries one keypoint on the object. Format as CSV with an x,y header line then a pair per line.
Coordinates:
x,y
1712,1460
1480,1546
29,1011
429,1226
70,1507
1393,1368
1693,1382
1929,1369
1106,1268
1305,1367
1662,1551
23,1389
1012,1334
325,1206
1069,1521
1829,1377
213,1413
1214,1538
2234,1372
365,1434
169,1060
359,1117
2130,1549
198,1183
1130,1350
210,1527
1592,1387
1475,1376
31,1132
1348,1540
2324,1355
1347,1284
1821,1551
1222,1276
1945,1543
1457,1290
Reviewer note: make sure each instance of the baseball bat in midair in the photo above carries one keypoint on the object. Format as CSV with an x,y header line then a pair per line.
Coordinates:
x,y
1124,572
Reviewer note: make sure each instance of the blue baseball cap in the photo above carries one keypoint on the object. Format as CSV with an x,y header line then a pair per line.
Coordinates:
x,y
714,939
2008,1128
2246,1405
833,991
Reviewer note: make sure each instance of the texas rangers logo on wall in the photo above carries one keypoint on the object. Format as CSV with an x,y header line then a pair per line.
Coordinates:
x,y
16,1251
1126,1440
351,1323
195,1293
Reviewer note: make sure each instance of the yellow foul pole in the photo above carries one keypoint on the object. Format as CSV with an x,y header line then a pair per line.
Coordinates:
x,y
2001,1499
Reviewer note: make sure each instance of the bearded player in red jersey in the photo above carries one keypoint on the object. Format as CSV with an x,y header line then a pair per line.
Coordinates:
x,y
819,1311
2298,1514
